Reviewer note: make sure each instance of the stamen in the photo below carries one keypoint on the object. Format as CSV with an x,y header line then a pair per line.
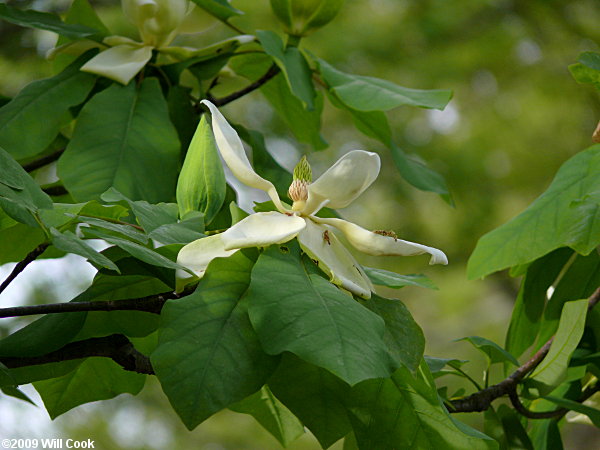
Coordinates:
x,y
388,233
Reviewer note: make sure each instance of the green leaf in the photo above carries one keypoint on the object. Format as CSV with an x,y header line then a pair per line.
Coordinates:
x,y
125,230
70,243
293,65
305,125
404,411
221,9
29,374
44,21
201,184
531,300
552,370
587,70
545,435
592,413
315,396
437,364
550,222
95,379
182,232
272,415
396,281
17,241
32,120
314,319
15,392
123,139
505,426
208,355
493,351
182,113
403,337
373,94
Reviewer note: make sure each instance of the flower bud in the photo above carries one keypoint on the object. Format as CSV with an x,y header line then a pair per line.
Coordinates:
x,y
300,17
156,20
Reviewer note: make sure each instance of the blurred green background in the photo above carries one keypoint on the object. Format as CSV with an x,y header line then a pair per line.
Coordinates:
x,y
516,116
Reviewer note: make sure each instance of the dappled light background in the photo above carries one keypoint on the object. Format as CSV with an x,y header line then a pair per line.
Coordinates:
x,y
516,116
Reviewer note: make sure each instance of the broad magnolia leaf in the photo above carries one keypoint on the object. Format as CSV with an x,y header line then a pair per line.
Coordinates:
x,y
94,379
208,355
313,319
293,65
404,411
493,351
315,396
32,120
403,336
373,94
559,217
44,21
201,184
123,135
70,243
552,370
272,415
592,413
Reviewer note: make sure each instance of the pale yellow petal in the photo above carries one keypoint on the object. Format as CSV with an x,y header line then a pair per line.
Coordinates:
x,y
263,229
321,245
375,244
120,63
344,181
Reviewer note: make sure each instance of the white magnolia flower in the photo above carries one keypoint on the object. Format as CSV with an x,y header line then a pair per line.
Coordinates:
x,y
336,188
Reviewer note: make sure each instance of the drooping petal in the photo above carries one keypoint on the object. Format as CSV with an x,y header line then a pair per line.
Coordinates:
x,y
344,181
332,257
120,63
232,151
263,229
197,255
375,244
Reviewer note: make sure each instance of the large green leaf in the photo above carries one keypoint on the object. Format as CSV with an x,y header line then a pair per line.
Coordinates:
x,y
373,94
404,411
314,319
70,243
201,183
403,337
208,355
32,120
531,300
293,65
493,351
44,21
221,9
123,139
272,415
95,379
552,370
560,217
592,413
315,396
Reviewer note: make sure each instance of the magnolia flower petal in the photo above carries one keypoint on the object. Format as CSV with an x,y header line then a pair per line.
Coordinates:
x,y
375,244
120,63
232,151
197,255
263,229
344,181
332,257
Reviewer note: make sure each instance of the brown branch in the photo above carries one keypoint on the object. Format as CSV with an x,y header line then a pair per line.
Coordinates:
x,y
116,347
481,400
273,70
44,160
22,264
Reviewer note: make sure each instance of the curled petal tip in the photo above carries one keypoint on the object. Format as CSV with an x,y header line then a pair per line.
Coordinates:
x,y
438,257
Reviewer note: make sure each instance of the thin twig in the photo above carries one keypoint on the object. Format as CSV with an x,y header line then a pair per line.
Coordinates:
x,y
273,70
43,161
116,347
31,256
481,400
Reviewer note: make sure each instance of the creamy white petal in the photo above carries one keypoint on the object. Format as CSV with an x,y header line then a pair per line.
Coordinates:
x,y
197,255
263,229
344,181
120,63
375,244
232,151
320,243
